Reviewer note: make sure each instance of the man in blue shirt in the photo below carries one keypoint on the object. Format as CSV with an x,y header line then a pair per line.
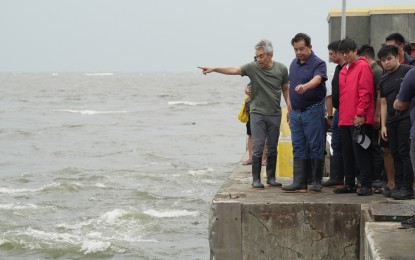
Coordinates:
x,y
307,76
404,100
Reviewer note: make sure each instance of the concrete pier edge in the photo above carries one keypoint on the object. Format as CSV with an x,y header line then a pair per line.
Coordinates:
x,y
268,224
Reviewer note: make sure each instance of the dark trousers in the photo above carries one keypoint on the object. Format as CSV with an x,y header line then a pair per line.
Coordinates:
x,y
398,136
377,156
355,157
336,141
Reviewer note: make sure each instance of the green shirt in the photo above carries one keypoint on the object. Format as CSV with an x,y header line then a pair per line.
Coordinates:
x,y
266,87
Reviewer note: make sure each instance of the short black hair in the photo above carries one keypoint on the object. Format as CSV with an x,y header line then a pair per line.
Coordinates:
x,y
366,50
408,48
301,36
397,37
334,46
388,49
347,45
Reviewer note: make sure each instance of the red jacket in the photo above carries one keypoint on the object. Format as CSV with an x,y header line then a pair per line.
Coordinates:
x,y
356,93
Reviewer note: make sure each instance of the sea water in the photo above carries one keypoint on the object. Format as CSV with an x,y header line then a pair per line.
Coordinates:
x,y
114,166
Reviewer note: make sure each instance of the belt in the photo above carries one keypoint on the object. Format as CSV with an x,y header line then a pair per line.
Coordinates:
x,y
309,107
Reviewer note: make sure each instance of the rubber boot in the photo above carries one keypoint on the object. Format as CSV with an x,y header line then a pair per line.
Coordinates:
x,y
300,177
271,166
377,164
336,172
256,173
317,167
307,170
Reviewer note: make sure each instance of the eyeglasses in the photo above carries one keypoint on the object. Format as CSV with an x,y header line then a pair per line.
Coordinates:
x,y
260,56
343,52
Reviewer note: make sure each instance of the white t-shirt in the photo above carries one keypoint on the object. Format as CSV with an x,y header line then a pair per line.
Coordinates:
x,y
328,88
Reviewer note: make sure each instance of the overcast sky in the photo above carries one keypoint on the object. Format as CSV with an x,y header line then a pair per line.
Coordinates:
x,y
156,35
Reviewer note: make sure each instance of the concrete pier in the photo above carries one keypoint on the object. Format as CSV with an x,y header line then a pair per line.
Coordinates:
x,y
267,224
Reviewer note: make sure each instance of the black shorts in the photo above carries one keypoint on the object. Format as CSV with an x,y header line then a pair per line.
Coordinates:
x,y
248,128
383,143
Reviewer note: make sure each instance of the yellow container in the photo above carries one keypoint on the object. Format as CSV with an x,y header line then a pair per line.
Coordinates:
x,y
285,149
285,159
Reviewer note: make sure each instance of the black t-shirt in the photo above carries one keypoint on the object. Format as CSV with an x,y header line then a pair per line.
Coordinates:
x,y
335,93
390,83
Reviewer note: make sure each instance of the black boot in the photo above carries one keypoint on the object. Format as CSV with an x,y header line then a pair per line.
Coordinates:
x,y
256,173
271,166
300,177
317,167
336,172
307,169
377,164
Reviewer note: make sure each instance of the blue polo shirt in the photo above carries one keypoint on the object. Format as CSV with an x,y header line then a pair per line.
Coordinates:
x,y
301,73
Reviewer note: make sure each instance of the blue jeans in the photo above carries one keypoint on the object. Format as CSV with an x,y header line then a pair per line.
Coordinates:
x,y
336,138
413,154
308,133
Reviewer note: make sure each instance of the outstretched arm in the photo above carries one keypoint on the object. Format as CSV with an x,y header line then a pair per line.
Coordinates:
x,y
222,70
313,83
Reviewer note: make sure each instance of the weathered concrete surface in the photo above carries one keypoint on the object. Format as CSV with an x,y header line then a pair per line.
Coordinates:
x,y
268,224
385,240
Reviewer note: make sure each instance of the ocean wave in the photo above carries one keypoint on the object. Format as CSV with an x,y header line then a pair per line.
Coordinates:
x,y
99,74
92,112
113,216
171,213
93,246
14,191
72,186
146,165
38,239
18,206
200,171
188,103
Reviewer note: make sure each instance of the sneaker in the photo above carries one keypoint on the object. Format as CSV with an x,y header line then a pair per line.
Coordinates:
x,y
345,189
403,194
365,191
409,223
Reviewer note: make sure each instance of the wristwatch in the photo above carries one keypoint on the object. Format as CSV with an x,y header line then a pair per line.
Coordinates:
x,y
330,117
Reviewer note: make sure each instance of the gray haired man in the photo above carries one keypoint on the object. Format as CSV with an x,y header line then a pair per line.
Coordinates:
x,y
269,79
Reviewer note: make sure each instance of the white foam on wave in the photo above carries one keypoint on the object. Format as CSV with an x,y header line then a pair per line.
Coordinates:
x,y
49,236
47,187
100,74
94,246
14,191
100,185
87,246
112,216
146,165
187,103
171,213
18,206
200,171
92,112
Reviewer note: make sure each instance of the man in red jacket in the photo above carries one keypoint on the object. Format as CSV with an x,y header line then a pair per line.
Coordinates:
x,y
356,113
